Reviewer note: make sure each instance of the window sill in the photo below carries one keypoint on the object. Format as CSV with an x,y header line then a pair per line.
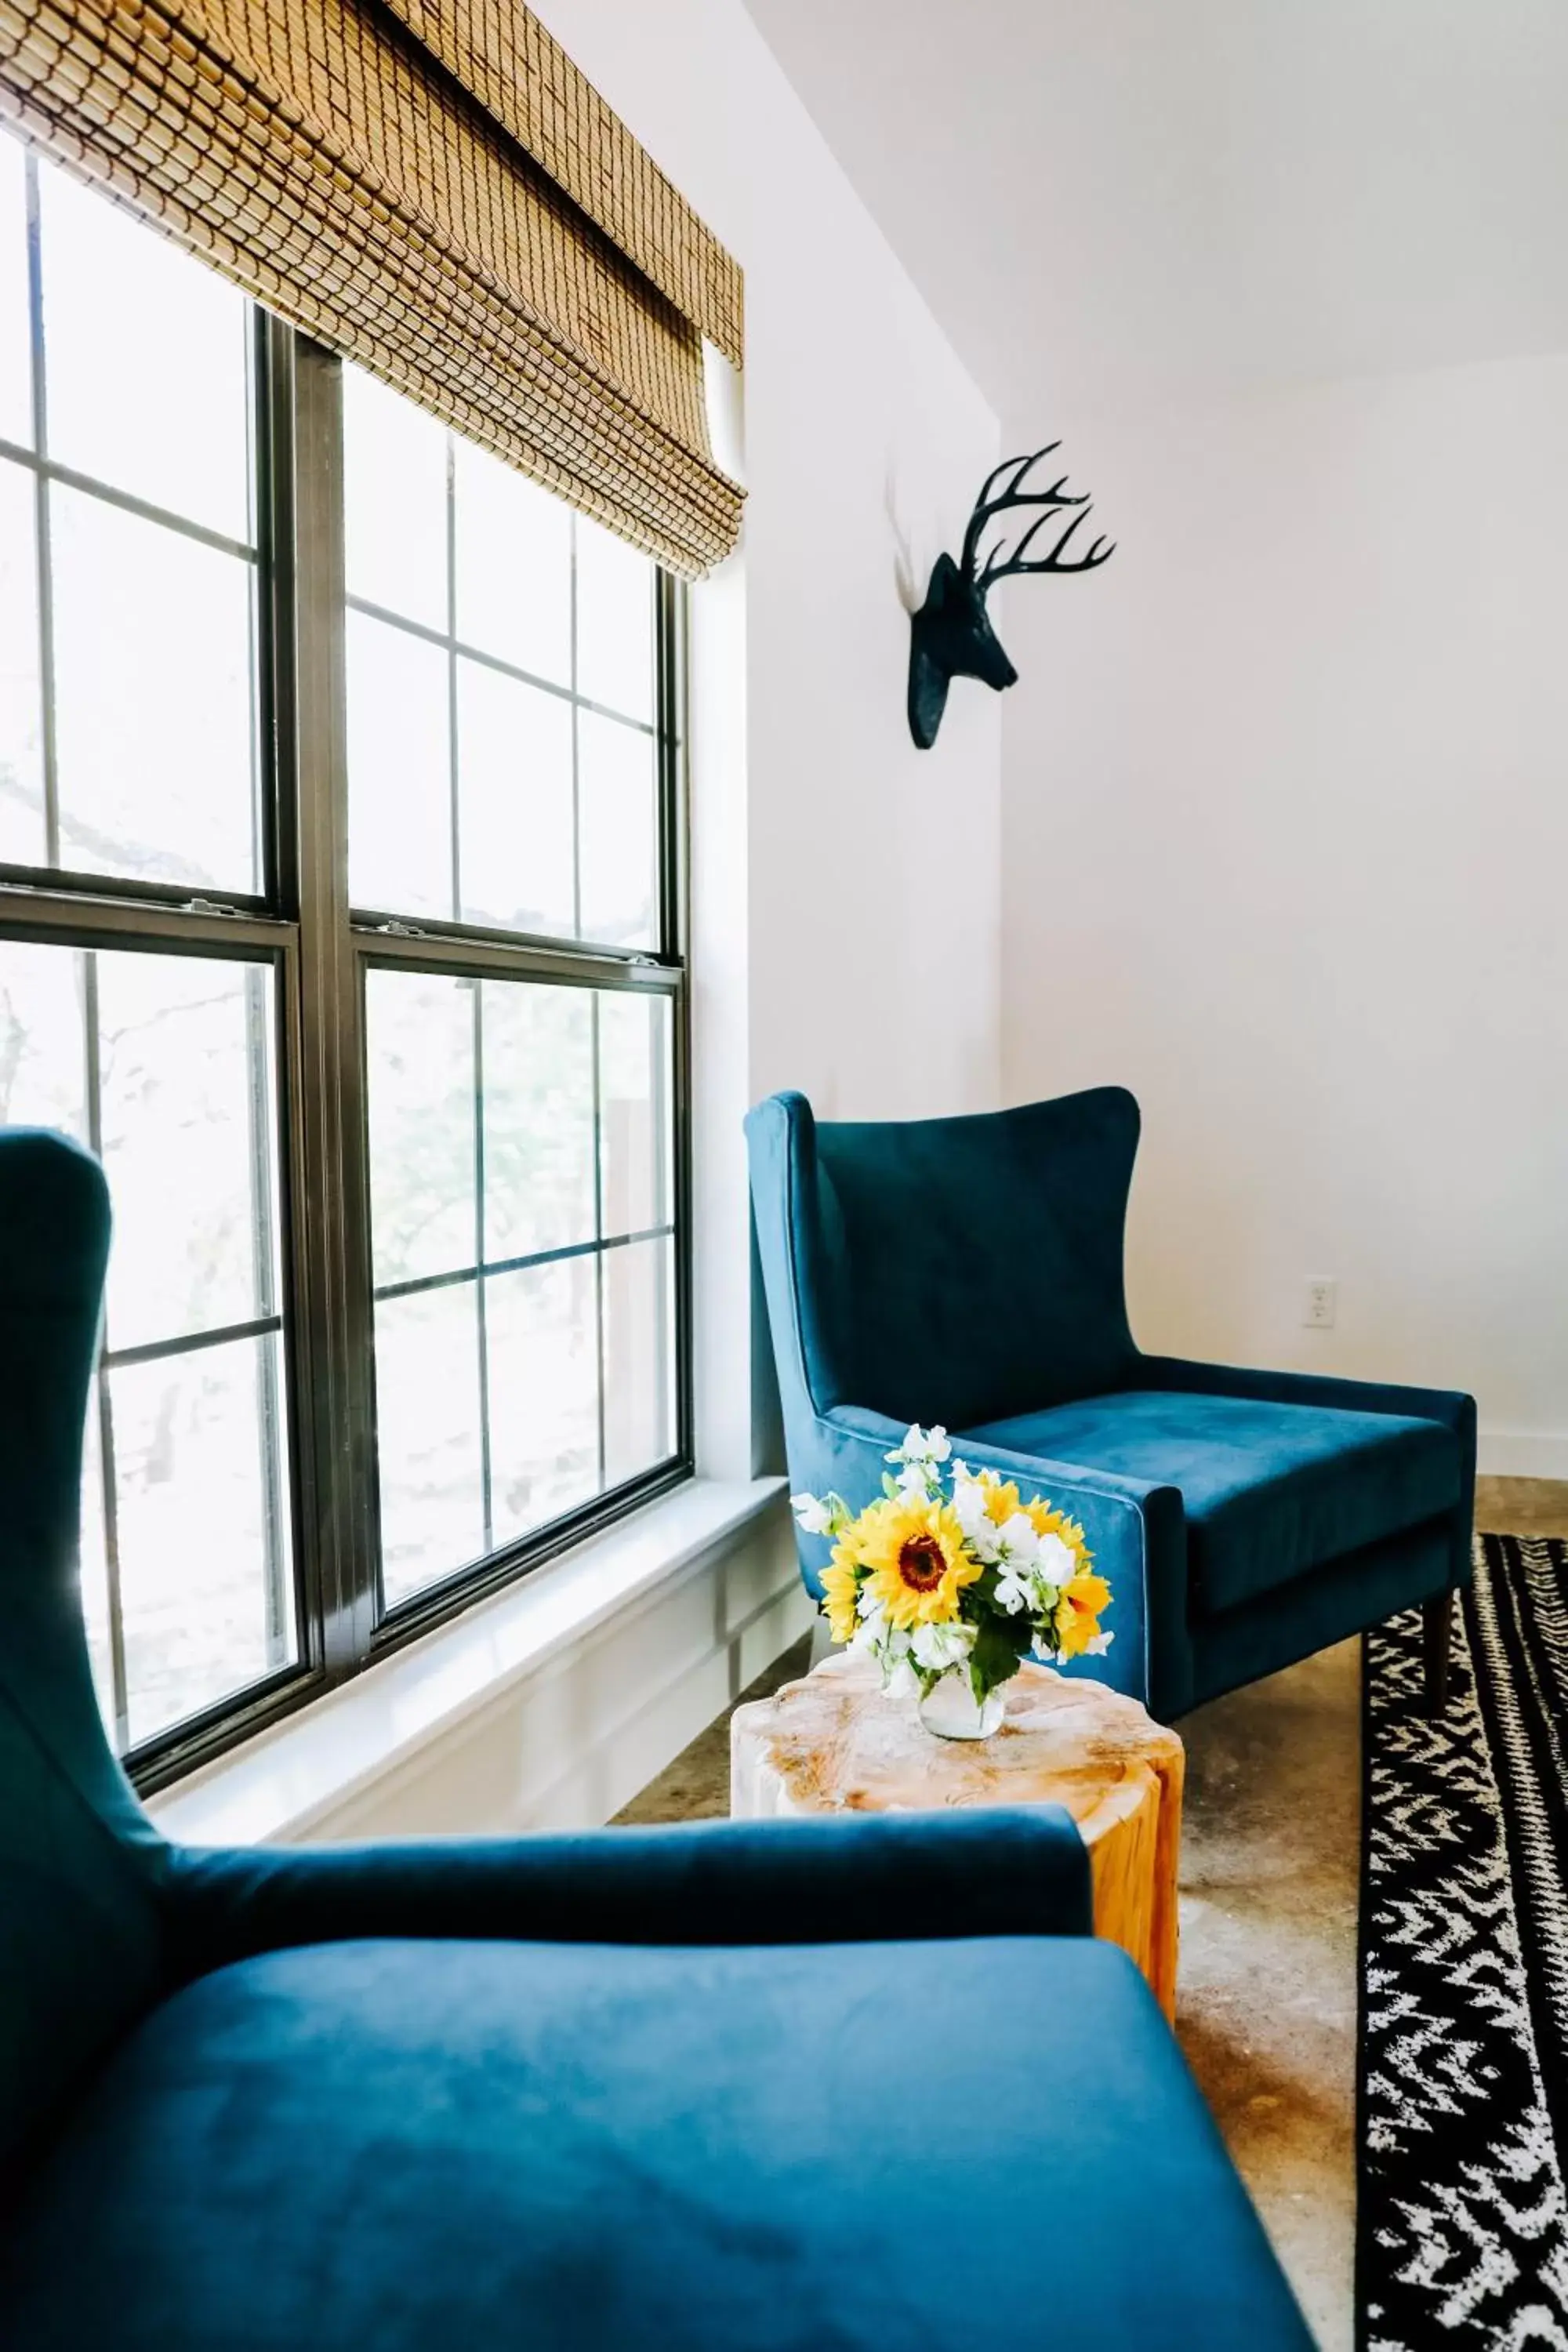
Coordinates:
x,y
280,1785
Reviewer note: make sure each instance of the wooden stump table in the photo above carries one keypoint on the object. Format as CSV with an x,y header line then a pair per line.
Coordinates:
x,y
832,1744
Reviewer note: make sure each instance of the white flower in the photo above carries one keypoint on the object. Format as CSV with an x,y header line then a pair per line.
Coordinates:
x,y
1017,1543
980,1529
900,1679
968,1497
1058,1564
1016,1590
873,1632
815,1516
1096,1647
922,1446
937,1647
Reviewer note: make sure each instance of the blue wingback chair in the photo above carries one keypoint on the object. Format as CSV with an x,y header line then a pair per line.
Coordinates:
x,y
969,1271
573,2093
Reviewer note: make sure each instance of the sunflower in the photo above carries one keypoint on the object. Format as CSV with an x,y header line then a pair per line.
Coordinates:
x,y
840,1591
915,1550
1077,1612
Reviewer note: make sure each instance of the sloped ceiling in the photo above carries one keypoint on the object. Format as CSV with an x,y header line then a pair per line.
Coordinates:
x,y
1134,200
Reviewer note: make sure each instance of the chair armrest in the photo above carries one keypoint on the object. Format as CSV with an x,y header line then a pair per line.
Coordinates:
x,y
1022,1871
1135,1529
1448,1406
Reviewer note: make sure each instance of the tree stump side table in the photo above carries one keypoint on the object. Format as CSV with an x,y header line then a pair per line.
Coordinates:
x,y
832,1743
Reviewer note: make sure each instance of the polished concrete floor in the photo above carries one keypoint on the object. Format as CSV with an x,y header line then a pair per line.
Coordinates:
x,y
1270,1863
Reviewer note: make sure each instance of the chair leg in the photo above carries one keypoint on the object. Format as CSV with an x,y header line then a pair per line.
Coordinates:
x,y
1437,1646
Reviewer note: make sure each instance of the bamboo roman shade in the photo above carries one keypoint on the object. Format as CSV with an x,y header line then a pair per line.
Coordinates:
x,y
430,187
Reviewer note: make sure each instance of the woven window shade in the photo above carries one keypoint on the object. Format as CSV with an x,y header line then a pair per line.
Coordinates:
x,y
431,188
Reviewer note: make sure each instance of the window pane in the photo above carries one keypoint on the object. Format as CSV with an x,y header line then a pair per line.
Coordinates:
x,y
539,1118
514,771
186,1073
400,807
15,373
22,841
394,501
541,1328
202,1528
190,1499
617,828
145,353
615,622
554,828
640,1358
513,544
636,1088
152,699
43,1055
420,1033
572,1088
428,1437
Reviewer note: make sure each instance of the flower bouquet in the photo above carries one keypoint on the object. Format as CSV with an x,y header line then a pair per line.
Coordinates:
x,y
950,1579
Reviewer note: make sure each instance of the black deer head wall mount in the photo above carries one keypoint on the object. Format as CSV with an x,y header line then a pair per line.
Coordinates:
x,y
951,635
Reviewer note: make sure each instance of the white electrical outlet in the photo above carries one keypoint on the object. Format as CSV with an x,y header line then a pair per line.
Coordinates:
x,y
1323,1303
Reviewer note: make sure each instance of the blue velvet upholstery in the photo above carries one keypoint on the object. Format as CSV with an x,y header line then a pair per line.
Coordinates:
x,y
969,1271
81,1932
1269,1490
614,2092
406,2145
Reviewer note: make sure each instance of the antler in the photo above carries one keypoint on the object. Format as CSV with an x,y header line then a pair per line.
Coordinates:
x,y
991,502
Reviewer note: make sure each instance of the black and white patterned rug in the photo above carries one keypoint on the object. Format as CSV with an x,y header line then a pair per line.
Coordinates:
x,y
1462,2233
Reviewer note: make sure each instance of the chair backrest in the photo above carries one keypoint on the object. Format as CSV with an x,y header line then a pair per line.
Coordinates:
x,y
952,1270
80,1951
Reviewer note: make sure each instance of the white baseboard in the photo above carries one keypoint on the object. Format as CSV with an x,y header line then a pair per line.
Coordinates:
x,y
1523,1453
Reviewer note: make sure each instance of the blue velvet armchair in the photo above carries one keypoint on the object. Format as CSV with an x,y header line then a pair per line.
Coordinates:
x,y
641,2090
969,1271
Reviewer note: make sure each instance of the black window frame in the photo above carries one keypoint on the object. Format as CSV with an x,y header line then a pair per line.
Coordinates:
x,y
302,929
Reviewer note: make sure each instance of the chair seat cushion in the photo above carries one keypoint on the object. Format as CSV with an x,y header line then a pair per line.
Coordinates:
x,y
1269,1490
408,2145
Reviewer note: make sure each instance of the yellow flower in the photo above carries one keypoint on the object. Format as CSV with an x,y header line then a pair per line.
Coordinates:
x,y
915,1550
1078,1612
1001,1499
840,1591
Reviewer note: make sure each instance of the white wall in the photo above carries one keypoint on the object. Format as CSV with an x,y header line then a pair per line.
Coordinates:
x,y
1285,849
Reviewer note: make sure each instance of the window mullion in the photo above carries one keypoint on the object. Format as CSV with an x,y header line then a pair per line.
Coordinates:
x,y
43,524
330,1223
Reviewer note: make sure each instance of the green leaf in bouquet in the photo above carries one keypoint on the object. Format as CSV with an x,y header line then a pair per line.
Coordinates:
x,y
999,1647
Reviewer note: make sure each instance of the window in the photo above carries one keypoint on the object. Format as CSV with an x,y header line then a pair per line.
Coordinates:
x,y
339,914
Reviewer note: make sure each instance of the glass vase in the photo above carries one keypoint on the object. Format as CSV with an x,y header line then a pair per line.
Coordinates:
x,y
952,1711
